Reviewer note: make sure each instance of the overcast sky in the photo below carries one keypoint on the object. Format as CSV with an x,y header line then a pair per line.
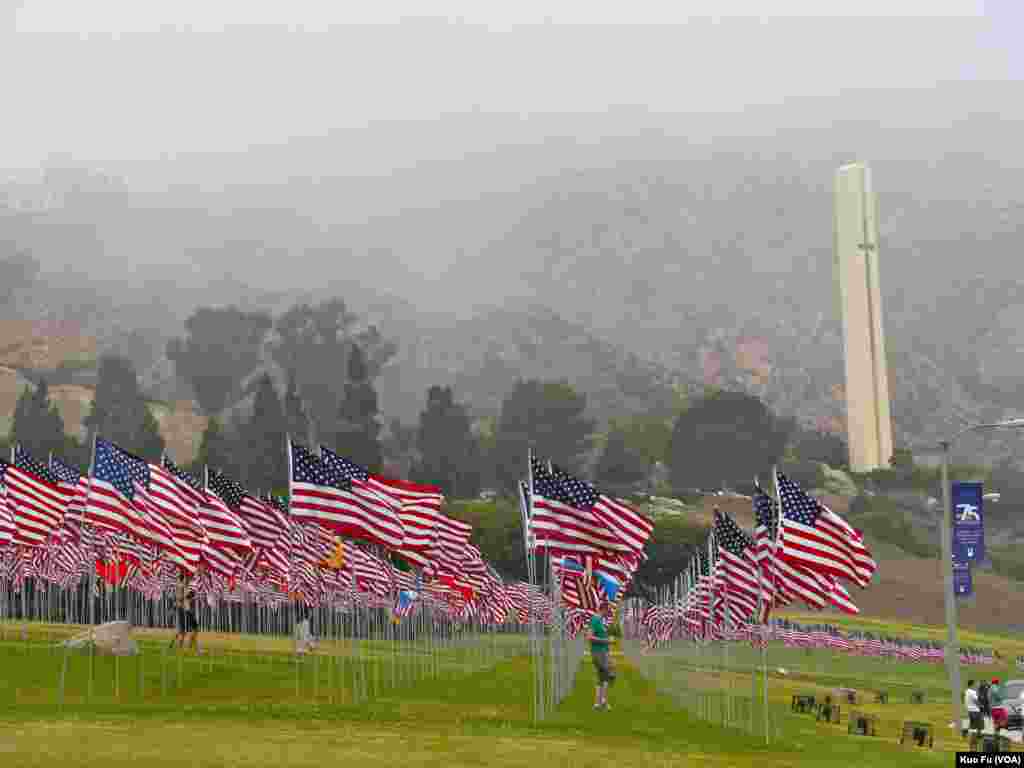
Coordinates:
x,y
113,82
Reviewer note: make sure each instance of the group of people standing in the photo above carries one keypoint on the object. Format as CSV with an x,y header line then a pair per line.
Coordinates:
x,y
188,622
979,698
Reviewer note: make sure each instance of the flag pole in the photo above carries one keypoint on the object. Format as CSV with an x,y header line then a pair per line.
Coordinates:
x,y
773,553
85,522
762,625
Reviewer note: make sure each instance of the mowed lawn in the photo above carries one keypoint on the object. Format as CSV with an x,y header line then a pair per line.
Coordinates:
x,y
248,704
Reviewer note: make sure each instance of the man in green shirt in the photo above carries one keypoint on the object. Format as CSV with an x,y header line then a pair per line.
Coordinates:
x,y
599,645
995,693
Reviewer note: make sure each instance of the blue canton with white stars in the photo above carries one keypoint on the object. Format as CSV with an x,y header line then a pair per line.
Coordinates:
x,y
730,536
64,473
764,506
349,470
797,505
182,475
705,566
24,461
119,468
308,468
230,491
573,491
543,483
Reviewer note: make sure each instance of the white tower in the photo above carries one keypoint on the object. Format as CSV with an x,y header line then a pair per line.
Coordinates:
x,y
868,419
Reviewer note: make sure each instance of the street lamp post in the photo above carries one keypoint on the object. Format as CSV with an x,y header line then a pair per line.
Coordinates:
x,y
952,655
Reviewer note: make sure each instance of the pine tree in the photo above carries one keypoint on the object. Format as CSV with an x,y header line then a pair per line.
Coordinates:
x,y
38,425
120,414
216,450
359,431
447,446
551,417
149,442
619,468
264,440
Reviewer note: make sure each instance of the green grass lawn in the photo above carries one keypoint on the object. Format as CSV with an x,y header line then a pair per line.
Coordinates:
x,y
244,709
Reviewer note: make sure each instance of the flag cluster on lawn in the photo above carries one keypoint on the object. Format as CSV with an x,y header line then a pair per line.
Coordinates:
x,y
800,550
594,542
344,535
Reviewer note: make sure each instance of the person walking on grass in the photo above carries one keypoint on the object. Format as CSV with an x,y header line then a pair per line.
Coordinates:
x,y
975,722
188,624
180,591
599,654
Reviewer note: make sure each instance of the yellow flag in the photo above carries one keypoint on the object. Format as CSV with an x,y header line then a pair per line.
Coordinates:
x,y
337,559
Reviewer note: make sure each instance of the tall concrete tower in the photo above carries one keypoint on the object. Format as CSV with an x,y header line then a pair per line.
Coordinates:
x,y
868,420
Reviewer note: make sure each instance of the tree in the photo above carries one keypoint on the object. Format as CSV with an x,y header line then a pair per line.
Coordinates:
x,y
295,418
547,416
358,429
400,447
446,446
314,342
263,439
725,438
120,414
37,424
648,436
486,437
221,349
620,468
673,543
216,450
149,442
821,446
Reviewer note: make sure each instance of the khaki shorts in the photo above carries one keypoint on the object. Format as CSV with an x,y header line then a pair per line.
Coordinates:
x,y
602,664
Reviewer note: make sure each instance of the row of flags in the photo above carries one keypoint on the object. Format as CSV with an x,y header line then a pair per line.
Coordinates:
x,y
799,551
594,542
343,533
660,627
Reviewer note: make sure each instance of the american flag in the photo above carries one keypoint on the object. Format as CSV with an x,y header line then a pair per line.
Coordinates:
x,y
76,485
7,529
789,581
382,501
575,581
119,500
227,541
179,507
448,549
817,539
35,499
556,524
625,522
736,554
264,523
323,492
418,507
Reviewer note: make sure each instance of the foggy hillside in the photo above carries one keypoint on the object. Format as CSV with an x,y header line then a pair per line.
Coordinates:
x,y
666,235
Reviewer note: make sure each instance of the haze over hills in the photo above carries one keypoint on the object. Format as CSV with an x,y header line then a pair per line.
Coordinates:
x,y
700,244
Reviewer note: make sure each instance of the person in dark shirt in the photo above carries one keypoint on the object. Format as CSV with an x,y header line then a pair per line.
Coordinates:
x,y
180,595
188,624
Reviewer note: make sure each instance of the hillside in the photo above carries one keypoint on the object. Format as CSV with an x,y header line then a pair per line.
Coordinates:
x,y
697,248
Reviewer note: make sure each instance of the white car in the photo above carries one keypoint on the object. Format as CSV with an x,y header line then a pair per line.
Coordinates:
x,y
1008,714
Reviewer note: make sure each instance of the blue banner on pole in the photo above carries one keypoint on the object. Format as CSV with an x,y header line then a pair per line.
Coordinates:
x,y
963,585
968,522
